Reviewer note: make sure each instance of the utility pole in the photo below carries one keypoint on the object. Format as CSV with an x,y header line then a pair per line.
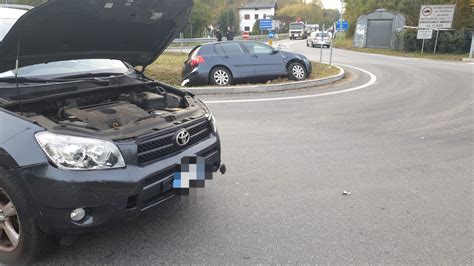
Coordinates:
x,y
342,18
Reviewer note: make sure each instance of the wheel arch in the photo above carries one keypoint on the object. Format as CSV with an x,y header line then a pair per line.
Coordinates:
x,y
7,161
220,65
296,60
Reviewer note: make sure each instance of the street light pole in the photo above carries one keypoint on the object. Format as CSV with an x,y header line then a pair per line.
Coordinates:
x,y
342,18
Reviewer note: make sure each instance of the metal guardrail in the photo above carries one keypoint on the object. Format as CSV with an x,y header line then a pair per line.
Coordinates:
x,y
207,40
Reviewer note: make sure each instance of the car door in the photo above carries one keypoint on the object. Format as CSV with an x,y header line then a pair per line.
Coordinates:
x,y
236,58
266,61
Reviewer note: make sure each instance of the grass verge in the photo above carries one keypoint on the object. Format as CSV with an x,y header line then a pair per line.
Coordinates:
x,y
168,69
347,45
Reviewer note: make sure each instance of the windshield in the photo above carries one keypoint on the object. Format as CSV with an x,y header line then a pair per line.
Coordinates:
x,y
296,26
68,68
319,35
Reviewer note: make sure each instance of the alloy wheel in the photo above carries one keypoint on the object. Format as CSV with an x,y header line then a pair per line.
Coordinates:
x,y
221,77
9,224
298,72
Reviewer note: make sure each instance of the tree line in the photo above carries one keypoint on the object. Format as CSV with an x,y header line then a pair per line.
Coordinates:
x,y
224,13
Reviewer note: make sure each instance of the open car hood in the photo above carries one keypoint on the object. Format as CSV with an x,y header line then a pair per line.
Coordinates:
x,y
135,31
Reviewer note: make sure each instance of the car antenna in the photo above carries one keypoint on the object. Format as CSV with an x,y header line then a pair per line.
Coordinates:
x,y
18,94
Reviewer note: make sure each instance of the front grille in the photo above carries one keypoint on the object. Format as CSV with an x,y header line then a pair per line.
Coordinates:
x,y
154,148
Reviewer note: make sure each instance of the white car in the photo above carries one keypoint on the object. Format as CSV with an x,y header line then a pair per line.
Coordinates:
x,y
318,39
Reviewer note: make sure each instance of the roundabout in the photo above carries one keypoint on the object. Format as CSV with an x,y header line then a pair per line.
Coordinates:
x,y
397,133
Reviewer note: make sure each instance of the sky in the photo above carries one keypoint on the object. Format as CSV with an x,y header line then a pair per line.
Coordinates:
x,y
332,4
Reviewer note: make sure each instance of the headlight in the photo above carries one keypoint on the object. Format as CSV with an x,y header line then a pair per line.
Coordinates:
x,y
77,153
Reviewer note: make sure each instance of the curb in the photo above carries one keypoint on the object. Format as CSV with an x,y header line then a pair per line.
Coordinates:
x,y
267,88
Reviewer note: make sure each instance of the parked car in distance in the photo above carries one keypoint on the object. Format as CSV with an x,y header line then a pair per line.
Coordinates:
x,y
318,39
86,140
226,63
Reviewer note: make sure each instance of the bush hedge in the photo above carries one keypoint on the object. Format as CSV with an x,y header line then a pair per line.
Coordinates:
x,y
448,41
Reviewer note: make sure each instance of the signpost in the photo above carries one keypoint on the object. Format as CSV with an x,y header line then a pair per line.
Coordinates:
x,y
245,35
271,35
436,17
344,26
266,24
424,34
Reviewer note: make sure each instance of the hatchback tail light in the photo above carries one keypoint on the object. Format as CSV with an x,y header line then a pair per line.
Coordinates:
x,y
197,60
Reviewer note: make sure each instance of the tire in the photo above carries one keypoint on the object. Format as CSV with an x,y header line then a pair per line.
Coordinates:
x,y
32,243
307,44
296,71
220,76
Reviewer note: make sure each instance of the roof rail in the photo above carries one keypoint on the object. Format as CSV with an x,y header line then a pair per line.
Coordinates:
x,y
23,7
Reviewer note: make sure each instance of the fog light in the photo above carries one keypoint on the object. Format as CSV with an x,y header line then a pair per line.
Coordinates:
x,y
78,214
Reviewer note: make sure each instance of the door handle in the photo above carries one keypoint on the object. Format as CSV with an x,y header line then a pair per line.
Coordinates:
x,y
255,56
225,57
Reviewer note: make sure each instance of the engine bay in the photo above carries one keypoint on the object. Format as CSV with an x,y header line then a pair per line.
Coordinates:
x,y
123,112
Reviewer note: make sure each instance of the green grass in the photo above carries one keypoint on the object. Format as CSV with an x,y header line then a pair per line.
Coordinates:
x,y
347,45
168,69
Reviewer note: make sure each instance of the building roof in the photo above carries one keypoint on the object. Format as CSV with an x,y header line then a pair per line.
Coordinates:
x,y
254,5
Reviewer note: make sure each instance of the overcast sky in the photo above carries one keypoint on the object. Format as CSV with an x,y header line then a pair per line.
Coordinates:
x,y
332,4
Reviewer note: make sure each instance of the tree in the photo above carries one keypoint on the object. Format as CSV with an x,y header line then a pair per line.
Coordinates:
x,y
201,17
227,19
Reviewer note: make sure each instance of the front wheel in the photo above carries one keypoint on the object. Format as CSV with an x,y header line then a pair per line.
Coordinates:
x,y
21,241
221,76
296,71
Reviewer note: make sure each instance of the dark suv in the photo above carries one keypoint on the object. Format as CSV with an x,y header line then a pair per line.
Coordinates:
x,y
85,138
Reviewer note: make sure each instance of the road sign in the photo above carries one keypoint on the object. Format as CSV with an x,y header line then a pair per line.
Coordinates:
x,y
424,34
436,16
245,35
345,25
271,34
266,24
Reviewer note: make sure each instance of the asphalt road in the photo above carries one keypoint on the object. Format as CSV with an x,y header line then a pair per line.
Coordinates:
x,y
403,148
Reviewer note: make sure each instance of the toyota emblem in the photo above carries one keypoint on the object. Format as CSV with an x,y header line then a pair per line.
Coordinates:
x,y
183,137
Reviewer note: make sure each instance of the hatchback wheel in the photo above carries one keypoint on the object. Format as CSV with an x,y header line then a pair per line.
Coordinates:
x,y
296,71
221,76
21,241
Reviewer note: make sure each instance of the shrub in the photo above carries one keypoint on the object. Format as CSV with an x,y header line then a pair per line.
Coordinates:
x,y
448,41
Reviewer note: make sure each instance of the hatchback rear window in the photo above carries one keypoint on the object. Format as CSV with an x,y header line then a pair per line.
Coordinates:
x,y
194,52
229,48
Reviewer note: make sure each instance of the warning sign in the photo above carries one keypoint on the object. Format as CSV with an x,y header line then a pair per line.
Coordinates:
x,y
436,16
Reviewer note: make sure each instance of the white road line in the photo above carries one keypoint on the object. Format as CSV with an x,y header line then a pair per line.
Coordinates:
x,y
372,81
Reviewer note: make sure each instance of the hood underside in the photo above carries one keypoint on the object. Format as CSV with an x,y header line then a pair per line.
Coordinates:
x,y
135,31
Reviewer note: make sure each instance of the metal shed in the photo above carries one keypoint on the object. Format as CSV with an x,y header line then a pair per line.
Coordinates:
x,y
377,29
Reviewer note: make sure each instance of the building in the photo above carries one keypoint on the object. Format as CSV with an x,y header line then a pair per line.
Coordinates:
x,y
252,12
378,29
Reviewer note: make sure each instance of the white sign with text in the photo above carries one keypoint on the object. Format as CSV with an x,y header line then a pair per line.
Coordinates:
x,y
436,16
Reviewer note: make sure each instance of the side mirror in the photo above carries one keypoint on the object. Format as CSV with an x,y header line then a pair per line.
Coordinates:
x,y
275,50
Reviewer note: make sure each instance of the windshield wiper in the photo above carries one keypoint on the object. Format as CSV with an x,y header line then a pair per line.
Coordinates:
x,y
91,75
88,77
24,80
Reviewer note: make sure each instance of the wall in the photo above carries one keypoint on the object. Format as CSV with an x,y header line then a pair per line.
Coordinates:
x,y
250,22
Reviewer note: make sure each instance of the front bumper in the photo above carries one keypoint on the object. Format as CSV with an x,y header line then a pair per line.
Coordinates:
x,y
108,196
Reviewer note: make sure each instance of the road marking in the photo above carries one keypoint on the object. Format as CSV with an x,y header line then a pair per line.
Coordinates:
x,y
372,81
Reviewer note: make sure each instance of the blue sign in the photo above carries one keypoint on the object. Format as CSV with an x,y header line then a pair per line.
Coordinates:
x,y
266,24
271,34
345,25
